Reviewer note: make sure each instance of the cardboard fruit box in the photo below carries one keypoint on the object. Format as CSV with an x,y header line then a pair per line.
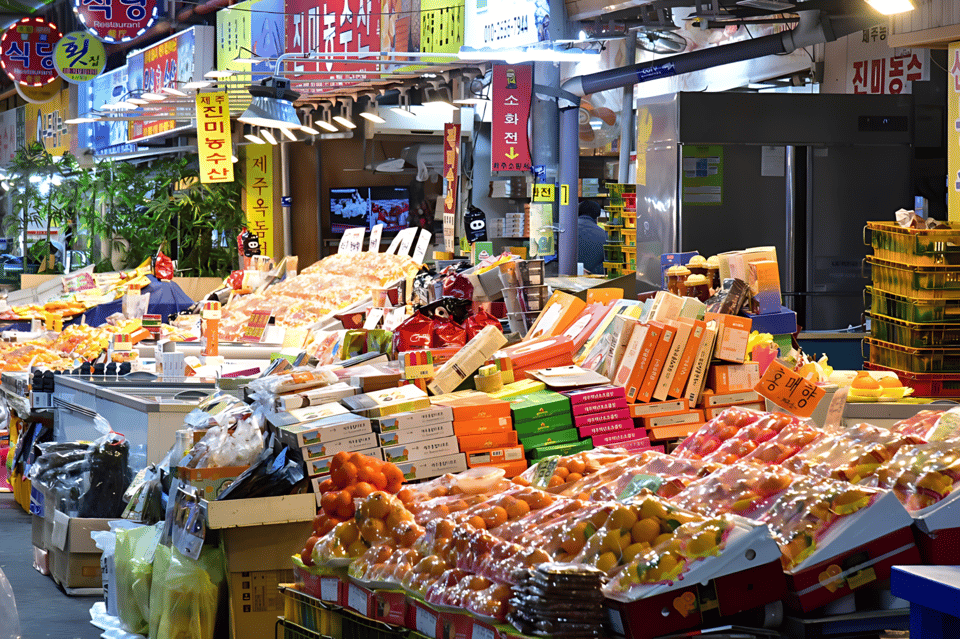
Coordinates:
x,y
937,532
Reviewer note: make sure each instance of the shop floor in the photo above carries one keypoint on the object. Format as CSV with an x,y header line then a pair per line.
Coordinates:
x,y
45,611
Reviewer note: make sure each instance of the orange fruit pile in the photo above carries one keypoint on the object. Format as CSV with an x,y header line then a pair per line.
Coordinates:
x,y
353,476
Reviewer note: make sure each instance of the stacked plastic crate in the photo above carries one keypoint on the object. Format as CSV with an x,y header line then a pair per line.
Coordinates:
x,y
915,306
620,250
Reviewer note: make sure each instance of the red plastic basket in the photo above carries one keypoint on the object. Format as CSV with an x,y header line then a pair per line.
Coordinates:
x,y
4,477
630,201
937,385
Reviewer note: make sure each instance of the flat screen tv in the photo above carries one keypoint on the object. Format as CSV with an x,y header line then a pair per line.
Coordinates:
x,y
367,206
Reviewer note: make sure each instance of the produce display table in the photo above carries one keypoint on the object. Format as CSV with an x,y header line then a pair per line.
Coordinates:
x,y
934,595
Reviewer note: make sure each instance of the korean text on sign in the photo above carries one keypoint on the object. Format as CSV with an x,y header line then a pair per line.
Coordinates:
x,y
259,186
789,390
213,137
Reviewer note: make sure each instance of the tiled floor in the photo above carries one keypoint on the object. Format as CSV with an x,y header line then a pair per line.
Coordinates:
x,y
45,611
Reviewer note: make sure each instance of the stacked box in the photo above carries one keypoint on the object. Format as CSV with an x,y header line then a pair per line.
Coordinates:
x,y
417,435
320,432
484,431
602,415
543,420
712,404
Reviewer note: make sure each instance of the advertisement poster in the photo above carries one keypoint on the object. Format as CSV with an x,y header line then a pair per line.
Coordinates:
x,y
329,27
214,143
873,67
451,177
259,186
251,29
512,89
46,123
501,24
701,173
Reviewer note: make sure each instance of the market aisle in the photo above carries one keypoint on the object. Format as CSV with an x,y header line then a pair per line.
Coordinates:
x,y
44,610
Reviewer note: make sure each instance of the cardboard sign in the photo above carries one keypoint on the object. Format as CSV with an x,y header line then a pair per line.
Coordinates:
x,y
789,390
352,241
375,234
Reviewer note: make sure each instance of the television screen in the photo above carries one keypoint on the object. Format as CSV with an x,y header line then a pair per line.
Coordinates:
x,y
367,206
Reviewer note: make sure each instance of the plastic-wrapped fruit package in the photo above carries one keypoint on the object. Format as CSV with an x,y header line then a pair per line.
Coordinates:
x,y
787,443
744,488
491,602
671,555
564,537
750,437
554,472
661,474
544,510
476,481
852,454
919,425
945,429
486,555
370,564
453,506
510,506
396,568
343,542
382,517
803,513
922,475
425,573
709,437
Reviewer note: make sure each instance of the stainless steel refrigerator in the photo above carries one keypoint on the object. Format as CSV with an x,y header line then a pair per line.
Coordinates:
x,y
801,172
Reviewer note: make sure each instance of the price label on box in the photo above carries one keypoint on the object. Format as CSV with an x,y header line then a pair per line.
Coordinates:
x,y
543,192
789,390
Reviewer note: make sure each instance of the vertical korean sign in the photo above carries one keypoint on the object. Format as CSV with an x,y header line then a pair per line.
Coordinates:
x,y
259,184
451,174
213,137
512,88
953,133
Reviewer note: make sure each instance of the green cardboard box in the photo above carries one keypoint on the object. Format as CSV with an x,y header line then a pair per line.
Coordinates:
x,y
567,435
539,405
568,448
540,426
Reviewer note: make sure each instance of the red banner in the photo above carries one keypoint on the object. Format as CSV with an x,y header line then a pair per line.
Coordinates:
x,y
512,88
451,173
159,70
322,27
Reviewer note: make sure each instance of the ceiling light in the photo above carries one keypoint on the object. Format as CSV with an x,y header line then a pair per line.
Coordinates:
x,y
272,105
891,7
234,159
309,129
289,135
153,97
326,126
81,120
240,60
339,119
253,138
139,101
266,135
218,74
122,105
371,116
173,91
471,101
200,84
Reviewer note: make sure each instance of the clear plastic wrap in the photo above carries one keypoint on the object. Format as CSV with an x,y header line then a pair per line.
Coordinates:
x,y
659,473
9,619
752,436
554,472
744,488
919,425
801,516
922,475
709,437
475,481
852,454
787,443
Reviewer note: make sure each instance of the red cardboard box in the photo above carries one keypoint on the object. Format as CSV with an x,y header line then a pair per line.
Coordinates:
x,y
388,606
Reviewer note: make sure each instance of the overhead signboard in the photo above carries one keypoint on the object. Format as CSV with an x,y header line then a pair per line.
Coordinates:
x,y
501,24
26,51
108,88
79,57
46,123
251,29
329,27
172,62
116,20
873,67
512,89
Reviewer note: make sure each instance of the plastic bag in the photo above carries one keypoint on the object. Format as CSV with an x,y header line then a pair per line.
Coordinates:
x,y
277,471
163,267
190,596
106,541
133,558
9,619
161,562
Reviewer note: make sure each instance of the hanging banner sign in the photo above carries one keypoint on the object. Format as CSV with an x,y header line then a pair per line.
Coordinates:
x,y
116,20
451,175
512,88
259,186
26,51
330,27
214,142
79,57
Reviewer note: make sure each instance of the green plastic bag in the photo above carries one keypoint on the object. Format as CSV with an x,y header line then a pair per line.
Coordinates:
x,y
191,592
134,567
161,561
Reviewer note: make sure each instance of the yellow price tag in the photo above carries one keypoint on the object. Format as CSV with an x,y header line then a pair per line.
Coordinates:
x,y
564,194
543,192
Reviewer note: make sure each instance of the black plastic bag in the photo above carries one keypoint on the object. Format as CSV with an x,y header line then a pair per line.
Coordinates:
x,y
277,471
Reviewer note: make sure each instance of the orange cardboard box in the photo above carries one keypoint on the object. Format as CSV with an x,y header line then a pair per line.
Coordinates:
x,y
482,426
658,408
531,353
469,443
513,468
559,313
733,332
713,411
656,365
672,419
733,378
672,432
495,456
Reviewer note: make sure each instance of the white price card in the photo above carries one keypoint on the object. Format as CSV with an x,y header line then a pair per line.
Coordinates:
x,y
423,243
375,234
352,241
374,315
406,241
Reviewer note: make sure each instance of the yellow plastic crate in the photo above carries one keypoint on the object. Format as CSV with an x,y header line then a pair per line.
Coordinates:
x,y
629,238
614,269
916,360
914,247
310,613
921,282
630,219
630,257
888,329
